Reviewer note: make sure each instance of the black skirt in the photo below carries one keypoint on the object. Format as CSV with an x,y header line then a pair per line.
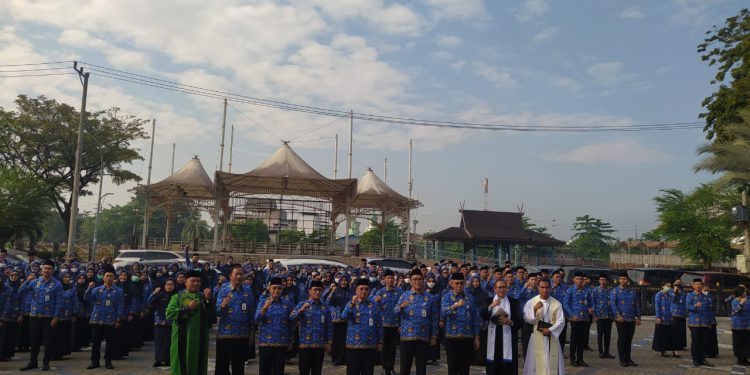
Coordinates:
x,y
679,333
741,343
162,342
662,338
712,348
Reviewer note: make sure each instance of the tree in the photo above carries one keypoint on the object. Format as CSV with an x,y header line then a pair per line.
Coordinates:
x,y
291,236
731,156
527,224
700,221
254,230
591,238
727,47
24,206
372,236
39,138
195,229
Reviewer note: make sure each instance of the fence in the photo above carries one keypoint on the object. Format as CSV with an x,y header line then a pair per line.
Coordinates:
x,y
624,260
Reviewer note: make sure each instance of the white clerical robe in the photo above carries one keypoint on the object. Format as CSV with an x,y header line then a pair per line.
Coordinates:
x,y
544,349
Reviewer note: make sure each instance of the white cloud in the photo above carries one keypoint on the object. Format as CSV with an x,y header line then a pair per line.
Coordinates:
x,y
442,55
466,10
393,19
692,12
566,83
545,34
500,78
458,65
530,9
621,153
610,74
632,12
448,41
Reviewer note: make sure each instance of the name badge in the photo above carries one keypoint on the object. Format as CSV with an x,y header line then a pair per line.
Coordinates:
x,y
424,313
107,303
371,322
244,307
46,298
322,319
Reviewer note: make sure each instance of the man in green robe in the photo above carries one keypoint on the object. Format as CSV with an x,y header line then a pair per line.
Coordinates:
x,y
188,312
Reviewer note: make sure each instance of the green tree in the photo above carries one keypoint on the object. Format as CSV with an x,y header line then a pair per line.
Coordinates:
x,y
291,236
39,138
372,236
195,229
24,206
728,48
700,221
731,156
591,238
254,230
527,224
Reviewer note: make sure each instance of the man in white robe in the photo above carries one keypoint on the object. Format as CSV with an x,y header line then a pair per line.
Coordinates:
x,y
544,356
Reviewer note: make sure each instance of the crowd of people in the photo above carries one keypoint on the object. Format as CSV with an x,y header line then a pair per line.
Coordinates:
x,y
360,316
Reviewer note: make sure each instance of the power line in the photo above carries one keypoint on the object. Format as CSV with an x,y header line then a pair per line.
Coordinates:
x,y
144,80
39,63
36,75
255,122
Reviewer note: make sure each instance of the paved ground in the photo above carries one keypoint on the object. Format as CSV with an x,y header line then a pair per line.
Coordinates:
x,y
649,361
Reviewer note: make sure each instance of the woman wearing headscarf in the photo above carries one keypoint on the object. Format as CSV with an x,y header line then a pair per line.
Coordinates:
x,y
157,302
64,329
338,296
179,284
482,300
81,328
121,340
433,352
10,315
138,309
24,339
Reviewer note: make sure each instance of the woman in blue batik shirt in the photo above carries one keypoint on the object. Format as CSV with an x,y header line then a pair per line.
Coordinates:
x,y
338,297
663,323
740,317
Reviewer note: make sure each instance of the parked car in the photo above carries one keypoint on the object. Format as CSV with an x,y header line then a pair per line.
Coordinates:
x,y
148,257
395,265
312,262
653,276
715,280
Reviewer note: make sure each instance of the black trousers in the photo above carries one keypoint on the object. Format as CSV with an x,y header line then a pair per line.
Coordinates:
x,y
563,335
338,349
578,339
526,332
712,348
9,339
460,353
40,333
698,341
230,351
271,360
311,361
24,339
603,335
162,342
360,361
625,331
390,342
63,333
414,351
81,333
100,332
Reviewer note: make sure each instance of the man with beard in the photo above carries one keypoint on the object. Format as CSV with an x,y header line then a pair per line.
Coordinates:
x,y
188,312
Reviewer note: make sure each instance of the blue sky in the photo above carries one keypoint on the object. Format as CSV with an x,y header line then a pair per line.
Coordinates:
x,y
533,63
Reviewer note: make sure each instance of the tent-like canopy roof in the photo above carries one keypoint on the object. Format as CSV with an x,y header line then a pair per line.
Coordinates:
x,y
286,173
373,193
189,182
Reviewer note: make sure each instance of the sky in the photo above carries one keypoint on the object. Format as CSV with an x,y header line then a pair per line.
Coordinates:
x,y
530,63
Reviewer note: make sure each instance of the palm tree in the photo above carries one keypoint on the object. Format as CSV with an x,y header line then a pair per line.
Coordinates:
x,y
195,228
731,156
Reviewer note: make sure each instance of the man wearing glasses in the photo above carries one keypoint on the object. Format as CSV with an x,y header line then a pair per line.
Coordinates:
x,y
505,320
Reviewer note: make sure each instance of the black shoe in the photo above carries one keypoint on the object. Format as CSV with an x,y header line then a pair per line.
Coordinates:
x,y
574,363
744,362
45,366
705,363
623,364
696,364
588,348
602,356
631,363
675,355
92,366
607,355
157,364
29,366
664,354
108,365
583,364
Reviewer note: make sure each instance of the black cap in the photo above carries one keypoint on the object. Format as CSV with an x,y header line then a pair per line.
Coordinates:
x,y
364,282
275,281
697,280
108,268
544,270
457,276
415,272
579,274
533,274
48,263
623,274
388,272
316,284
193,273
604,275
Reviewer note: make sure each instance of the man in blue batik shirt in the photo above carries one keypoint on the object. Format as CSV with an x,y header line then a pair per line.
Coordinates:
x,y
698,307
419,312
107,310
627,311
46,298
578,304
364,336
462,325
387,298
315,330
235,310
603,316
558,292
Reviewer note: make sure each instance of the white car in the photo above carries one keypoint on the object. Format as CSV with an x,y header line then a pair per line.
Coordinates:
x,y
312,262
396,265
147,257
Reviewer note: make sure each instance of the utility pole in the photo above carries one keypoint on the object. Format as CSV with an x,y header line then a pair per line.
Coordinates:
x,y
408,212
745,266
73,217
148,185
351,142
336,156
231,147
215,246
92,252
171,170
385,171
